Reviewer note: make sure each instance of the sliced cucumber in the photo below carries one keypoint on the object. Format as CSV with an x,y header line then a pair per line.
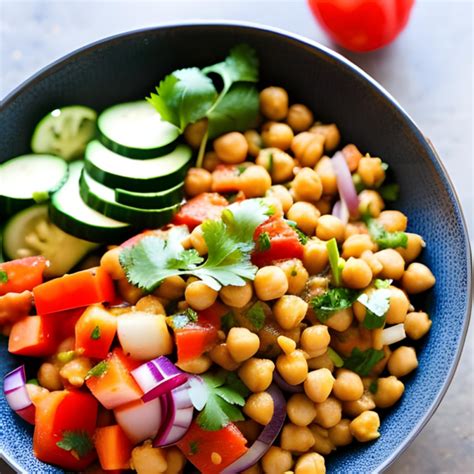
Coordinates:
x,y
28,179
70,213
102,199
65,132
154,175
151,200
136,130
30,232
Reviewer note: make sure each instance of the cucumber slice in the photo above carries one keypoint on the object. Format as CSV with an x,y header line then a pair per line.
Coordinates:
x,y
70,213
102,199
151,200
153,175
28,179
65,132
136,130
30,232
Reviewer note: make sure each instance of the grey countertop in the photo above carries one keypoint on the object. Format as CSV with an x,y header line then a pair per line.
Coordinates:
x,y
429,69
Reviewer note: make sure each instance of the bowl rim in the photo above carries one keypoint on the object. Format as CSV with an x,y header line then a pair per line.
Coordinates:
x,y
52,67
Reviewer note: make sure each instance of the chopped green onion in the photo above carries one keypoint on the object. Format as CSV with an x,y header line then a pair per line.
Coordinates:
x,y
335,357
334,262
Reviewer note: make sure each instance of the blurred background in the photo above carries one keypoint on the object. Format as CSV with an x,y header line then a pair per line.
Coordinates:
x,y
428,69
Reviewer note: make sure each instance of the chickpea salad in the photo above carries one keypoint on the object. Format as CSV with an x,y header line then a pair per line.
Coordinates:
x,y
208,279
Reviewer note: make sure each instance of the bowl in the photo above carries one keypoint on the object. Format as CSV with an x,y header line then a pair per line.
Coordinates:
x,y
128,66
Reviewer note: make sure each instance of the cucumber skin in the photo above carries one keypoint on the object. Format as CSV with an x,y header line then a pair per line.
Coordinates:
x,y
173,196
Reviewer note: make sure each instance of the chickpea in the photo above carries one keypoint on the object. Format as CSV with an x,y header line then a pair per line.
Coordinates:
x,y
315,256
365,426
340,320
48,377
257,374
315,340
289,311
300,409
371,260
220,355
278,163
150,304
308,148
296,275
356,273
340,434
402,361
330,227
194,133
199,296
299,117
197,240
392,264
355,228
274,103
147,459
307,185
111,264
270,283
305,215
197,181
329,412
415,244
68,344
296,438
210,161
255,469
286,344
310,463
371,171
276,461
417,325
278,135
255,181
399,305
330,132
231,147
254,142
236,296
348,385
321,362
356,407
242,344
283,195
358,308
36,393
198,365
292,367
352,156
356,245
259,407
417,278
318,385
393,221
370,202
389,391
322,443
175,460
328,176
130,293
324,205
75,371
380,366
171,288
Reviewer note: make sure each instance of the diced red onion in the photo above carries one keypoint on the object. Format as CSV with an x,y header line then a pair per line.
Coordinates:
x,y
197,392
267,436
340,210
165,386
345,185
16,394
284,385
393,334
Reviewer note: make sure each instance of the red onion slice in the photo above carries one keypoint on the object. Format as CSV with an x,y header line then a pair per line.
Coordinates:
x,y
340,210
267,436
16,394
285,386
165,386
345,185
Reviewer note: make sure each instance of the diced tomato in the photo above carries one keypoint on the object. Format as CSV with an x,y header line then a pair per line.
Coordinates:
x,y
284,242
60,416
64,322
113,447
74,291
32,336
15,306
95,332
194,339
198,209
213,314
116,386
22,274
199,444
225,179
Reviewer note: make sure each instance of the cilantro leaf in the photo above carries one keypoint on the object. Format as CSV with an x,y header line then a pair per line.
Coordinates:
x,y
383,238
193,447
334,300
182,319
3,276
256,316
98,370
362,362
302,237
263,242
377,306
390,192
228,321
95,334
184,96
78,442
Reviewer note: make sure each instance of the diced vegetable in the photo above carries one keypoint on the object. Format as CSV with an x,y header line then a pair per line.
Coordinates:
x,y
64,322
393,334
225,178
113,447
194,339
345,185
32,336
16,394
22,274
15,306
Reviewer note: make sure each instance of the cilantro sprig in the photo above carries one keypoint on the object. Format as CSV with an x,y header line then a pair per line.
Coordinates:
x,y
256,316
98,370
383,238
79,443
3,276
362,362
332,301
376,305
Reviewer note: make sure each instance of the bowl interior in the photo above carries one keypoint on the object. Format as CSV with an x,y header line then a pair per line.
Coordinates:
x,y
128,67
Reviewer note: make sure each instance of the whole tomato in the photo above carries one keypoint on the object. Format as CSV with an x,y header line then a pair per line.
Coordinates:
x,y
362,25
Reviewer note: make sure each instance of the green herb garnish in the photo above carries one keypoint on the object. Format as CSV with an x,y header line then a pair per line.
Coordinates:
x,y
95,334
256,316
377,306
193,447
334,300
336,359
182,319
383,238
98,370
228,321
390,192
362,362
33,382
382,284
374,386
78,442
3,276
334,261
263,242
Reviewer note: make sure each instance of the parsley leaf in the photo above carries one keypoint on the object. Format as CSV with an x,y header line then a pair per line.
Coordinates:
x,y
302,237
3,276
180,320
385,239
256,316
263,242
78,442
334,300
362,362
377,306
390,192
223,394
98,370
228,321
95,334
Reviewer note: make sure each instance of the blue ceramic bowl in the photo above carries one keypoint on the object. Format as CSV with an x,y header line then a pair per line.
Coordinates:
x,y
128,66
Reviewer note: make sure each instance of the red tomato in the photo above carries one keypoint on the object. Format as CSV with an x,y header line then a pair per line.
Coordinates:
x,y
284,242
225,179
194,339
22,274
32,336
198,209
362,25
64,322
213,314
